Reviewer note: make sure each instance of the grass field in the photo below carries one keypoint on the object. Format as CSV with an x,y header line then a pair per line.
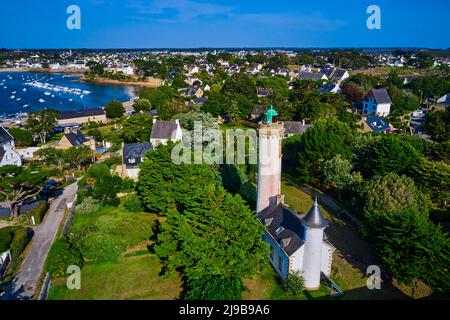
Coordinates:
x,y
131,277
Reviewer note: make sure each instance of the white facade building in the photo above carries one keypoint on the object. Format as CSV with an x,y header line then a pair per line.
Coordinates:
x,y
8,153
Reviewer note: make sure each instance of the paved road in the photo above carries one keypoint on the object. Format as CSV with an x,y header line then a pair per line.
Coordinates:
x,y
24,284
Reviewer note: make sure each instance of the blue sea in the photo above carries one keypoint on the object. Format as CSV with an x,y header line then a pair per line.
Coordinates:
x,y
25,92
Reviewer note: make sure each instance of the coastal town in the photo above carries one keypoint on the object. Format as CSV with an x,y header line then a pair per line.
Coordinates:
x,y
358,143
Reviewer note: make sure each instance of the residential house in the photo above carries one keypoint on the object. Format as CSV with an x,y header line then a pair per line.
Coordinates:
x,y
377,124
74,139
8,153
257,112
377,103
192,91
263,93
304,75
132,155
28,153
444,100
81,117
329,87
163,131
295,127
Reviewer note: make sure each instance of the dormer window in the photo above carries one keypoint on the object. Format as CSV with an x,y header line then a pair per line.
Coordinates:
x,y
132,160
279,230
285,242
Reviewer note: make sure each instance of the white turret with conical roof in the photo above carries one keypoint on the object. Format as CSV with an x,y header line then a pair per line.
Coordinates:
x,y
314,224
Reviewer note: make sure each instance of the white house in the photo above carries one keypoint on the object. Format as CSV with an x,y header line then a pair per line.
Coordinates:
x,y
297,242
377,103
163,131
8,153
133,154
127,70
445,100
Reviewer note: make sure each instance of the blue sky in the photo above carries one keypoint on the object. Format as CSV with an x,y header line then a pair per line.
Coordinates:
x,y
223,23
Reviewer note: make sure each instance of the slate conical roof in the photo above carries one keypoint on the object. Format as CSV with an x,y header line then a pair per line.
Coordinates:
x,y
314,219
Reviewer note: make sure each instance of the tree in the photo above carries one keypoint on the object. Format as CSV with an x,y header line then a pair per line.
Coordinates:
x,y
52,156
142,105
294,284
213,234
242,84
337,172
137,128
96,134
78,156
160,98
104,185
322,142
217,104
388,193
18,185
438,125
412,247
387,154
164,185
187,120
233,113
22,138
42,123
114,109
96,68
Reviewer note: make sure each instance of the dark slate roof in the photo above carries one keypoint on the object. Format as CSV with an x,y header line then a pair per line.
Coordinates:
x,y
293,127
314,218
291,225
262,92
5,136
135,151
199,100
329,72
76,138
327,87
377,124
310,76
339,73
258,110
82,113
163,129
2,153
381,95
191,91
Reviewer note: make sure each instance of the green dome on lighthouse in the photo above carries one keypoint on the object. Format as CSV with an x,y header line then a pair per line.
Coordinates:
x,y
271,115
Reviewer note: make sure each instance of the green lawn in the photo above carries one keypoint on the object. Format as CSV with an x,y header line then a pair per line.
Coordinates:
x,y
128,278
134,275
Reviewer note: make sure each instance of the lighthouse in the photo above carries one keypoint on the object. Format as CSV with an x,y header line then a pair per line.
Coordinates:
x,y
269,165
296,241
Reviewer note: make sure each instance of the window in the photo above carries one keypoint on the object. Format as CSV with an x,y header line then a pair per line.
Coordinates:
x,y
279,230
280,264
271,252
132,160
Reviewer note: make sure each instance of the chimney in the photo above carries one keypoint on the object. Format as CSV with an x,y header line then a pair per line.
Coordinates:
x,y
154,120
303,122
280,199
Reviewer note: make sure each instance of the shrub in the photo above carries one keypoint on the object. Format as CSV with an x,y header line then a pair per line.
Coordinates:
x,y
133,204
88,205
100,247
293,284
62,255
6,236
19,242
214,288
38,212
128,185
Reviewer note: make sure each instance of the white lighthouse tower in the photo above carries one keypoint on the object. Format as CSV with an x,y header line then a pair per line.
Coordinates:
x,y
314,224
269,165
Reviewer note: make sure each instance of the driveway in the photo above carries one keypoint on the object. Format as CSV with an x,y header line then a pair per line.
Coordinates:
x,y
25,282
